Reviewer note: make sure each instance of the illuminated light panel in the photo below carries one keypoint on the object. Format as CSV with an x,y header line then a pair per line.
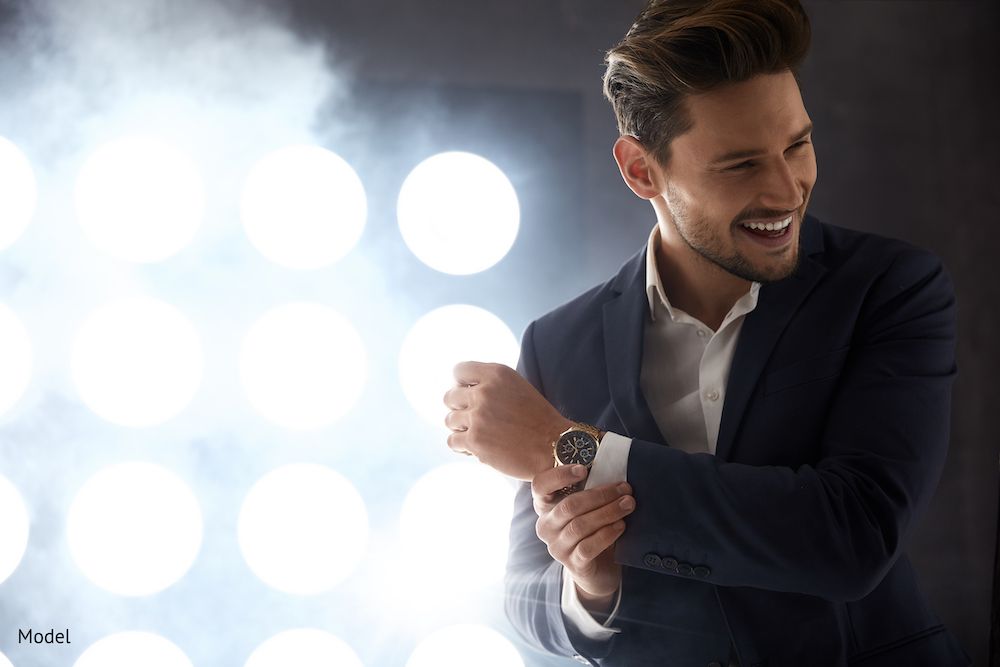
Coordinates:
x,y
129,649
458,213
303,366
303,207
14,526
137,362
439,340
464,645
18,193
474,535
15,359
303,529
134,529
304,647
140,199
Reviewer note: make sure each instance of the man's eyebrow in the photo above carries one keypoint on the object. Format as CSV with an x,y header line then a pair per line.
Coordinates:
x,y
754,152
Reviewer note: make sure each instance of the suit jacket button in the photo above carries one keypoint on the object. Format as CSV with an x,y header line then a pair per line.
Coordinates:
x,y
702,571
685,569
669,564
651,560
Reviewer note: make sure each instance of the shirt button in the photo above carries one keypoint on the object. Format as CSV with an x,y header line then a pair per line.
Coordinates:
x,y
712,395
701,333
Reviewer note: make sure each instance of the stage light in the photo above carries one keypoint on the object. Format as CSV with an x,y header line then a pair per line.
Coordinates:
x,y
303,529
139,199
128,649
304,647
463,645
18,195
15,359
14,526
134,529
137,362
439,340
473,535
458,213
303,207
303,366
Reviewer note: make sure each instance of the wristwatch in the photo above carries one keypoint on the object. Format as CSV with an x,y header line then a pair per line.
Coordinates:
x,y
576,445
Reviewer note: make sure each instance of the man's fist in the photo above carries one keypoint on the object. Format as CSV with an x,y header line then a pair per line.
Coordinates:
x,y
497,416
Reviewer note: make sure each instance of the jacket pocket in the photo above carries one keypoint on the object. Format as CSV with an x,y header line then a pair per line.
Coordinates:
x,y
934,647
823,367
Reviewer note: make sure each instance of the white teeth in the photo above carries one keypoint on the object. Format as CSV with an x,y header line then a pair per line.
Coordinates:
x,y
770,226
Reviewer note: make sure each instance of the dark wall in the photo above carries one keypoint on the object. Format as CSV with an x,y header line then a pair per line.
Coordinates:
x,y
905,112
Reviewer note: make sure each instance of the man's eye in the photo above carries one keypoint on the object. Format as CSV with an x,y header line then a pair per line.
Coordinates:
x,y
750,163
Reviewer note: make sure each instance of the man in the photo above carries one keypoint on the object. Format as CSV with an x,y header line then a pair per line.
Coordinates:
x,y
768,396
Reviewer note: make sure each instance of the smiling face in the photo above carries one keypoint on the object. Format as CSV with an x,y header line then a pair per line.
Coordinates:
x,y
747,160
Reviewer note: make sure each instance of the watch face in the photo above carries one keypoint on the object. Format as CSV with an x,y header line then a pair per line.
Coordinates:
x,y
576,447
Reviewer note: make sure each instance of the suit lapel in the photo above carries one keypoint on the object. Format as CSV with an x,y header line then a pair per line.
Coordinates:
x,y
776,304
624,325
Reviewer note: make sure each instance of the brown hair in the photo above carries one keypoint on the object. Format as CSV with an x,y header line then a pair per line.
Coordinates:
x,y
681,47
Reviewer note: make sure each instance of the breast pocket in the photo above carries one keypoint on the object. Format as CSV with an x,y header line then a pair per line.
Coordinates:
x,y
814,369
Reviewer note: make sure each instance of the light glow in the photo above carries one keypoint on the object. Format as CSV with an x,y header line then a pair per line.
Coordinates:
x,y
129,649
15,359
303,366
464,645
303,529
134,529
474,535
304,647
303,207
18,193
458,213
439,340
137,362
139,199
14,526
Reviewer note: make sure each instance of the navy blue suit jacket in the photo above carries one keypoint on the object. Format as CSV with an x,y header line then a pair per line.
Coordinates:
x,y
787,544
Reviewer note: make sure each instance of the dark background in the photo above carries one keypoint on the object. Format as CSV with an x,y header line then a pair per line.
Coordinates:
x,y
905,101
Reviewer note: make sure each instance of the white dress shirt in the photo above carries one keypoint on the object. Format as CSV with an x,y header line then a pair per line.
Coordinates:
x,y
685,366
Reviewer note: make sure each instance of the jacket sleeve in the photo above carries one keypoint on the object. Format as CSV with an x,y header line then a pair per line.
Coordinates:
x,y
533,580
832,529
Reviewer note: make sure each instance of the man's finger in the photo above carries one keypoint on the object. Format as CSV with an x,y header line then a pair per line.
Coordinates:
x,y
589,548
458,442
584,502
471,372
458,398
457,421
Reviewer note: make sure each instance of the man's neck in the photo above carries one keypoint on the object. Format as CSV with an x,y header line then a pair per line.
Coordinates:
x,y
696,285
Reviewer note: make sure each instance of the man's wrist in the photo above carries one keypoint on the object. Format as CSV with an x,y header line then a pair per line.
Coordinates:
x,y
597,605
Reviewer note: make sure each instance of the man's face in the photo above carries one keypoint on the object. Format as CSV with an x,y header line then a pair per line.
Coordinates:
x,y
748,159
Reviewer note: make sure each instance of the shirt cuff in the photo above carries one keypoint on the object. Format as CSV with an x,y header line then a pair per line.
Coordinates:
x,y
579,619
611,463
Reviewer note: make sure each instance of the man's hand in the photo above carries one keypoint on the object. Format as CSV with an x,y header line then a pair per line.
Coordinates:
x,y
581,529
497,416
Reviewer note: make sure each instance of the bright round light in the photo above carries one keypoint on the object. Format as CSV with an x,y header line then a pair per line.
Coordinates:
x,y
128,649
15,359
439,340
139,199
18,193
303,207
458,213
303,366
134,529
463,645
474,535
304,647
14,525
137,362
4,662
303,529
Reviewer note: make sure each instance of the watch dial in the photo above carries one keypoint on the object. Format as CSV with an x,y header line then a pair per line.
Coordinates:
x,y
576,447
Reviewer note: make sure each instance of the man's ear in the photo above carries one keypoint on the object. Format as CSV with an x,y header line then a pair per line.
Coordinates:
x,y
638,167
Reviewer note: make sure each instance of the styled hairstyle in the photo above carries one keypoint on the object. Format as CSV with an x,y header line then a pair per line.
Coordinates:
x,y
677,48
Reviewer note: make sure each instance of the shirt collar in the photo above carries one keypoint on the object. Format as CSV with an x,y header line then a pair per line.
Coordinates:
x,y
654,286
